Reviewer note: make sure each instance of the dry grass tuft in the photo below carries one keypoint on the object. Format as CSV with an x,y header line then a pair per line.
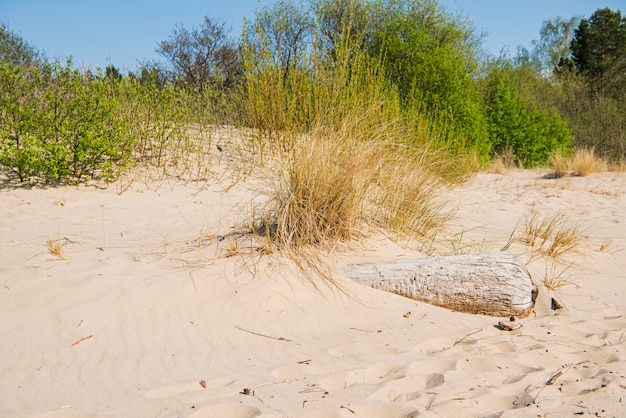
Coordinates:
x,y
265,244
619,167
564,240
554,281
231,248
554,235
341,179
560,164
55,247
585,162
501,162
497,165
320,192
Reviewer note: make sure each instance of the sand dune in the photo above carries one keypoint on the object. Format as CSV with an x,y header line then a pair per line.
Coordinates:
x,y
144,318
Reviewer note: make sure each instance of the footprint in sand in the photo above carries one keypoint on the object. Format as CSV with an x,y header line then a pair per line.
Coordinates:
x,y
166,392
407,388
373,374
342,378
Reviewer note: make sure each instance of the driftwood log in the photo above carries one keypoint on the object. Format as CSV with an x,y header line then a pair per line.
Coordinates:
x,y
491,284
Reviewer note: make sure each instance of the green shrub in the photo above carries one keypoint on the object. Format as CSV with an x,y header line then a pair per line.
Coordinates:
x,y
21,152
429,56
532,135
61,124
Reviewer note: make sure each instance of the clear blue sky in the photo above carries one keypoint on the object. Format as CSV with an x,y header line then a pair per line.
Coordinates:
x,y
127,32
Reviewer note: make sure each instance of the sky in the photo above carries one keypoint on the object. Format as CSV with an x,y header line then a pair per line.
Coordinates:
x,y
126,33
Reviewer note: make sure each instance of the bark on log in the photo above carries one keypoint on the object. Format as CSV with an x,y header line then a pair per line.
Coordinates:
x,y
491,284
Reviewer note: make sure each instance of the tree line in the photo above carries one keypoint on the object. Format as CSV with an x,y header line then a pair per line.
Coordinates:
x,y
298,62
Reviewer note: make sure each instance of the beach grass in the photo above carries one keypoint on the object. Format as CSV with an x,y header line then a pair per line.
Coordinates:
x,y
554,279
552,234
339,182
585,162
560,164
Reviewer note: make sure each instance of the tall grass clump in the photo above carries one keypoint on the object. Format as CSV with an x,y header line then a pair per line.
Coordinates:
x,y
560,162
323,186
585,162
337,183
502,161
553,280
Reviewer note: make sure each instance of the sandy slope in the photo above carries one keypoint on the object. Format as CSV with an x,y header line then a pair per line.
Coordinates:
x,y
142,318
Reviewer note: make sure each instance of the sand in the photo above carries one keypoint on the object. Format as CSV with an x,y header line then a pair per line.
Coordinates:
x,y
145,316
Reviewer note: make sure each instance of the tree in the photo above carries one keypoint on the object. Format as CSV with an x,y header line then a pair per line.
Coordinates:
x,y
599,51
112,73
203,55
554,43
285,29
15,50
338,16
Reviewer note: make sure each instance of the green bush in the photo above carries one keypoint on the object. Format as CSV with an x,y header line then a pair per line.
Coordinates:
x,y
532,135
429,56
21,151
61,124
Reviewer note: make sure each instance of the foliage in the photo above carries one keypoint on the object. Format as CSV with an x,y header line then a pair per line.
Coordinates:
x,y
531,134
553,46
202,55
15,50
336,19
284,32
20,149
587,87
429,56
282,103
348,52
60,123
599,51
304,64
593,84
596,121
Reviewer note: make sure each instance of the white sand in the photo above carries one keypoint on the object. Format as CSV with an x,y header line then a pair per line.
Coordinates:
x,y
142,319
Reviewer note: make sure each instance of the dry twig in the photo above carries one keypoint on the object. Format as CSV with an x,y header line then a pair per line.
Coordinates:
x,y
262,335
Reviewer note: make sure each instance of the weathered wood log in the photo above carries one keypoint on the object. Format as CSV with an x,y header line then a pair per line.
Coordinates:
x,y
494,284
